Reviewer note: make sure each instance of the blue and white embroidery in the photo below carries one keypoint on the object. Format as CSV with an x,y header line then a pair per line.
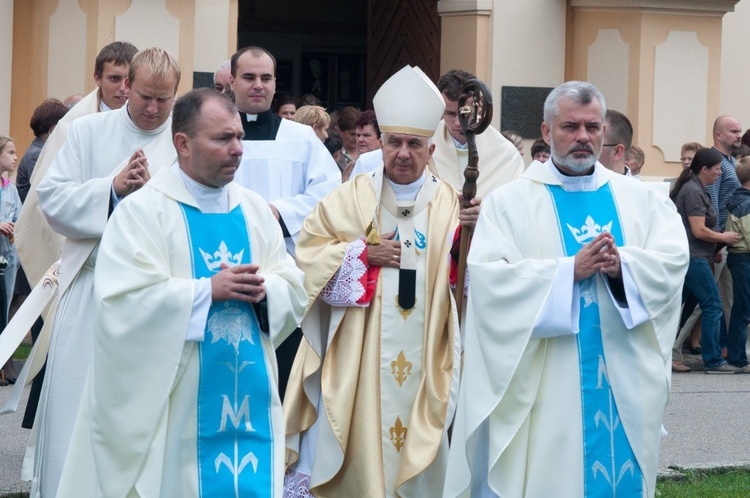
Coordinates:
x,y
222,255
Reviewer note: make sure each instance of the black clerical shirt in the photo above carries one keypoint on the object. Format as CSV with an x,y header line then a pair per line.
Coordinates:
x,y
264,128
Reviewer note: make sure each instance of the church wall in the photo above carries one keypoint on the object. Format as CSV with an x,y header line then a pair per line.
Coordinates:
x,y
55,43
465,32
216,28
735,70
66,50
29,74
6,60
637,57
528,49
505,43
528,43
679,104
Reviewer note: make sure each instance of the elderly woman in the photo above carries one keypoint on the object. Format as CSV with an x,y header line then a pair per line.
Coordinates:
x,y
368,132
634,159
694,205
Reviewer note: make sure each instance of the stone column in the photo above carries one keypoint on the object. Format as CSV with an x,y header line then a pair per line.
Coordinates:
x,y
465,36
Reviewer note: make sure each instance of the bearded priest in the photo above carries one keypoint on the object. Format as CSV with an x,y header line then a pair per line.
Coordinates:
x,y
575,294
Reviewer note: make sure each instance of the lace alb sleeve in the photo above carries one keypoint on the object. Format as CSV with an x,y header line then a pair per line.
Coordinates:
x,y
347,286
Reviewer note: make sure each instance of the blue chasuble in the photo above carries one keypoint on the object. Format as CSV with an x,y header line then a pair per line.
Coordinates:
x,y
610,467
235,435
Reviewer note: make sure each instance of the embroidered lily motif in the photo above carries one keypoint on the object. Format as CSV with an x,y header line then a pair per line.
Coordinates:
x,y
232,325
401,368
398,434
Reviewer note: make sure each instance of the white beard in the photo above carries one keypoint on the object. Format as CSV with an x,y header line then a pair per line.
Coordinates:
x,y
571,163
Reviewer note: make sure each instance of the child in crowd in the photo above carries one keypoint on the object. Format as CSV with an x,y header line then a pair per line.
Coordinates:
x,y
738,262
10,206
315,116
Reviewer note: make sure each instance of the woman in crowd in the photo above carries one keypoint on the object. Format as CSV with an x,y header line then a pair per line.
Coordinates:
x,y
540,150
634,159
10,206
285,106
347,128
368,132
687,153
335,144
694,205
690,313
43,121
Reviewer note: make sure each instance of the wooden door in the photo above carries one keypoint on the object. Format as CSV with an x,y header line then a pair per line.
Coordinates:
x,y
401,32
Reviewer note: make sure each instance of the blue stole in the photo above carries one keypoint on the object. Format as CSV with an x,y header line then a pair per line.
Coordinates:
x,y
610,467
235,436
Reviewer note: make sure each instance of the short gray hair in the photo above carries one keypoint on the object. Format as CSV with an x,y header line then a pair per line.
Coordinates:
x,y
227,64
581,92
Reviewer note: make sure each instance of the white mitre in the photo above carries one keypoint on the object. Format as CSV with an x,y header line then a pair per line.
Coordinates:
x,y
409,103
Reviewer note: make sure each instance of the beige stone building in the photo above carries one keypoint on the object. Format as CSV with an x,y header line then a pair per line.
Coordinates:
x,y
671,65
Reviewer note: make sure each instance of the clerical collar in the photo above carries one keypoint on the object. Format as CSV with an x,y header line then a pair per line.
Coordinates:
x,y
209,199
579,183
459,145
409,191
260,118
261,126
103,107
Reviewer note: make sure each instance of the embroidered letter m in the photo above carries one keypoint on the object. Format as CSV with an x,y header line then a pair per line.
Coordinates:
x,y
236,417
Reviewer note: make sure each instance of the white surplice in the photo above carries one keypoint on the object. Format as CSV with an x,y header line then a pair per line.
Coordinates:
x,y
499,160
39,246
293,172
75,196
518,429
139,436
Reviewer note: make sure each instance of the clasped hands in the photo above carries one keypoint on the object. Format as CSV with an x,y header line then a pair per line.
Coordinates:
x,y
133,176
599,255
238,283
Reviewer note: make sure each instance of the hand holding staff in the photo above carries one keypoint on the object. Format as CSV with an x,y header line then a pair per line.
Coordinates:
x,y
474,114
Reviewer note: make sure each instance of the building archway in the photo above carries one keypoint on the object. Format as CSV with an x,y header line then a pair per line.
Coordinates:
x,y
342,51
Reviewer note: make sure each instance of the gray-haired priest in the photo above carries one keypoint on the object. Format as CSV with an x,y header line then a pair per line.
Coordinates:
x,y
575,293
374,384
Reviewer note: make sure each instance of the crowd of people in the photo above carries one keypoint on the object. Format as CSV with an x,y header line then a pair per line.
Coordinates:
x,y
281,281
708,195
